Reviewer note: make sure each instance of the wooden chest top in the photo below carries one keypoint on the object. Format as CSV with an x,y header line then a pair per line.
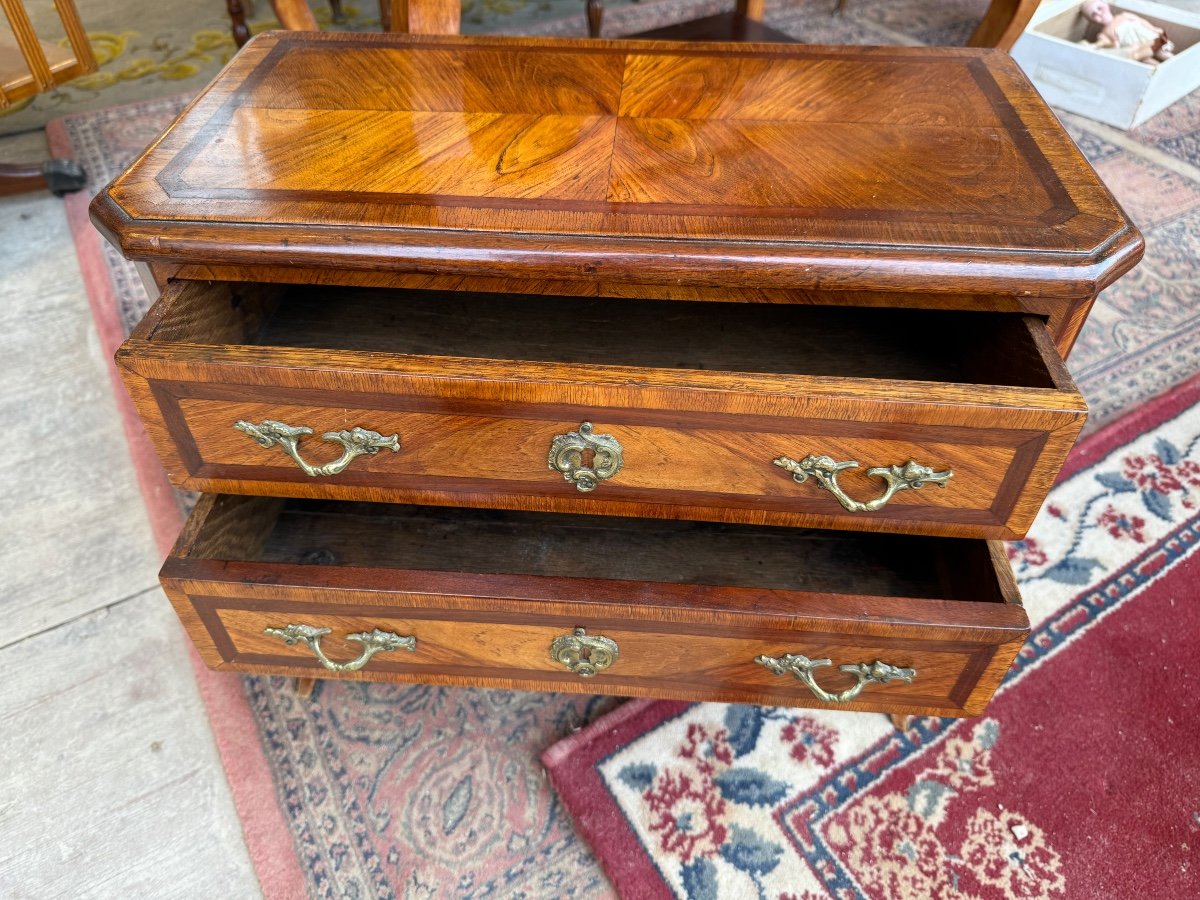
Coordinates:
x,y
727,165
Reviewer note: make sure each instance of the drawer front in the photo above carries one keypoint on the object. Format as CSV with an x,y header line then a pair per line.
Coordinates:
x,y
680,463
934,675
732,434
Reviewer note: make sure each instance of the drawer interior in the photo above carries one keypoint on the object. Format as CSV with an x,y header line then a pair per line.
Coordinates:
x,y
861,342
497,542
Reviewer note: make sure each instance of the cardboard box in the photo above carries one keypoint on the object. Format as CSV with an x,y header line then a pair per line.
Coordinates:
x,y
1102,85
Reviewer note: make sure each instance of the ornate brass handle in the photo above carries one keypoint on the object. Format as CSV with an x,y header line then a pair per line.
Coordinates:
x,y
802,667
372,641
584,654
911,476
355,442
569,452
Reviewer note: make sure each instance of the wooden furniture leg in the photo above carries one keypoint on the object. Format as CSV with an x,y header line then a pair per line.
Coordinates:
x,y
751,9
1003,23
595,17
731,27
237,21
293,15
411,16
60,176
422,16
304,687
899,720
30,65
742,23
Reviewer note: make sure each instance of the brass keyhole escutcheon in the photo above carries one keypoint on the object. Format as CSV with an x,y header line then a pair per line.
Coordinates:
x,y
584,654
585,458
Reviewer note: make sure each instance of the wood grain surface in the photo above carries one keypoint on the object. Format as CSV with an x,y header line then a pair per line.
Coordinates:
x,y
477,388
689,605
758,166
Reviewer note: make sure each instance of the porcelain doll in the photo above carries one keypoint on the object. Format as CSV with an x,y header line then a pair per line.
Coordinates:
x,y
1127,34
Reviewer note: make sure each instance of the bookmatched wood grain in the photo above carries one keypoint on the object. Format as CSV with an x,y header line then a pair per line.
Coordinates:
x,y
677,638
769,167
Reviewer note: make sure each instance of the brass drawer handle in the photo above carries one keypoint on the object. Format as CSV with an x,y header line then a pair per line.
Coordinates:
x,y
584,654
911,476
568,455
355,443
802,667
373,642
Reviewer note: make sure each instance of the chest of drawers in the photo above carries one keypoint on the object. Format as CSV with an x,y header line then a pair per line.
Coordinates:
x,y
694,371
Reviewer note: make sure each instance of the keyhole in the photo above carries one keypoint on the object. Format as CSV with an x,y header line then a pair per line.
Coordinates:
x,y
587,457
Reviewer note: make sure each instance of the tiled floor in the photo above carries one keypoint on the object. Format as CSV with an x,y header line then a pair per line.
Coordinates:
x,y
110,784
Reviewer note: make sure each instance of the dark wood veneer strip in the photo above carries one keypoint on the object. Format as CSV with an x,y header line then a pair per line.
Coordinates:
x,y
976,665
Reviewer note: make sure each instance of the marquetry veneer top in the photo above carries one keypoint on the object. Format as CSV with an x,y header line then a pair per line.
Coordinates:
x,y
739,165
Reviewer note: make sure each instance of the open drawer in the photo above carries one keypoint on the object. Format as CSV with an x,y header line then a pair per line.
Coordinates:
x,y
637,607
903,420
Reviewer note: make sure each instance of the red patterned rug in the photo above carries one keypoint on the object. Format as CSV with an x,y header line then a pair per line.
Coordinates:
x,y
377,790
1082,778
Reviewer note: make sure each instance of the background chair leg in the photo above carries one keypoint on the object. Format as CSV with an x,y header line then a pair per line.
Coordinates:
x,y
1003,22
595,17
60,176
751,9
237,21
421,16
